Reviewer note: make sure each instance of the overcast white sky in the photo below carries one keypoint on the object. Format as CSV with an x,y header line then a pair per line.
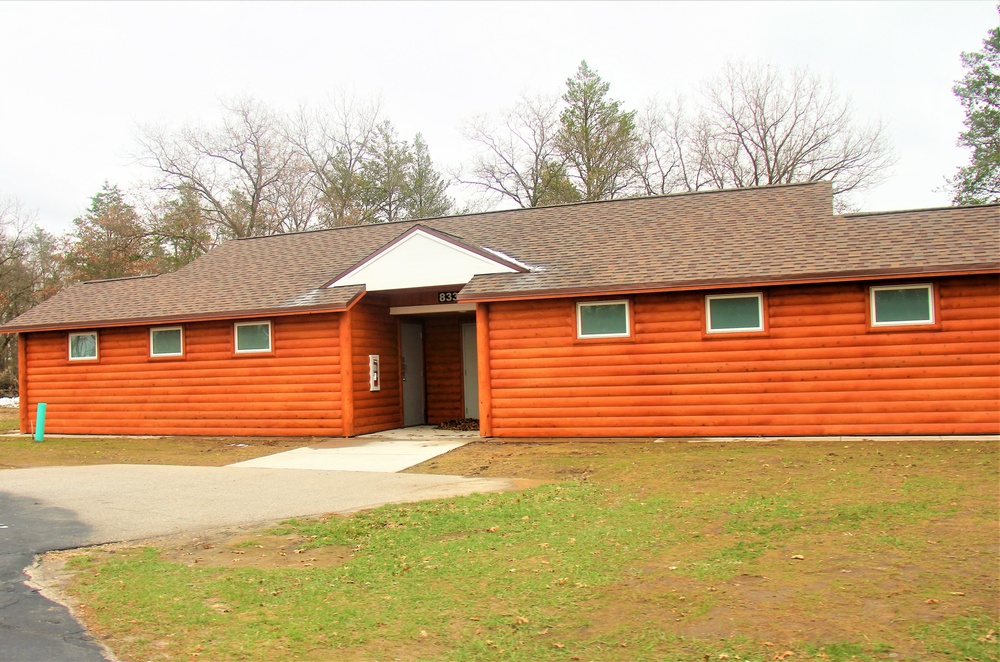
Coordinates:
x,y
78,77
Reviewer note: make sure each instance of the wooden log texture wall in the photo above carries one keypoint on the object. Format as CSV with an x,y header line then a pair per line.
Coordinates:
x,y
295,391
818,371
375,332
443,368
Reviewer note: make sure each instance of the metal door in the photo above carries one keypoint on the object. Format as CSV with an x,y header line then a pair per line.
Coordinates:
x,y
470,371
412,367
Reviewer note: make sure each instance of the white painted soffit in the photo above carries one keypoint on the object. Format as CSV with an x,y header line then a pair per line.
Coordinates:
x,y
422,257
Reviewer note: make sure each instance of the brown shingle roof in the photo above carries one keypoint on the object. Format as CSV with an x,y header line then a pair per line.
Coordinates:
x,y
779,234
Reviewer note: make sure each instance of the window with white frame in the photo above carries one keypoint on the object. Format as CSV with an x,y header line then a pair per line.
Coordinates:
x,y
83,346
253,337
730,313
899,305
166,341
603,319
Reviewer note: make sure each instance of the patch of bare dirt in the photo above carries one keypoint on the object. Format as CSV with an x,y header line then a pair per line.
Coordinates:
x,y
187,451
254,550
221,548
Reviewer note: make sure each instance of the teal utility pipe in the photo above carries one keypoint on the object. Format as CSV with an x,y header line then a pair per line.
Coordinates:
x,y
40,422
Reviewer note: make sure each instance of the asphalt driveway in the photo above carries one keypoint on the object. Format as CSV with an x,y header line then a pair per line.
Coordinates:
x,y
48,508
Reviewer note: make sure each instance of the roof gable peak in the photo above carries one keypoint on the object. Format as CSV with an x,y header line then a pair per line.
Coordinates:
x,y
424,257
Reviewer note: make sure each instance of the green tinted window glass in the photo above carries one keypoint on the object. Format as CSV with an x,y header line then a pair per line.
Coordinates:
x,y
165,342
83,346
735,314
253,337
903,305
605,319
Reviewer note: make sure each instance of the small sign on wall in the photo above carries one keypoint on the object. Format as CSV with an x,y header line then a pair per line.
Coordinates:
x,y
374,378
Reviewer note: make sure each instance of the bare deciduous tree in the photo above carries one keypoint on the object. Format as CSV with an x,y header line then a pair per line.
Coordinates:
x,y
336,140
235,168
759,126
516,158
15,227
660,162
297,205
25,277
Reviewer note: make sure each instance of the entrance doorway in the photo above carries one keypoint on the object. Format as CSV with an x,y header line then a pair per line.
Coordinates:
x,y
412,368
439,366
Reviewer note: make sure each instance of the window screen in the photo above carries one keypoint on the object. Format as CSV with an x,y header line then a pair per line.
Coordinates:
x,y
902,305
165,342
735,313
606,319
82,346
254,337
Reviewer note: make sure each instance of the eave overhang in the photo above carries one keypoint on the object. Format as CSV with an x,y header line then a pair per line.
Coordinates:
x,y
723,284
105,323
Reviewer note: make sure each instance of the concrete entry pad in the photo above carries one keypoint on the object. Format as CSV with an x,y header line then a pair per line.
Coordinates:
x,y
131,502
389,451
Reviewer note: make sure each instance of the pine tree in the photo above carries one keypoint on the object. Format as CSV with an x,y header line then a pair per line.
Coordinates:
x,y
597,138
426,197
109,241
979,93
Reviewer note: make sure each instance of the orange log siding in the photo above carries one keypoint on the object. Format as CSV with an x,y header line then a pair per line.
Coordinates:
x,y
294,391
483,368
22,382
443,368
375,332
818,370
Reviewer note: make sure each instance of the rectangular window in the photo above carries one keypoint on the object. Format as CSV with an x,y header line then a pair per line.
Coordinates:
x,y
83,346
166,341
603,319
728,313
897,305
253,337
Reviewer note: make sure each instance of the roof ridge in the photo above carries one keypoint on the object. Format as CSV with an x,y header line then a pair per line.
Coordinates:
x,y
915,210
111,280
423,220
342,227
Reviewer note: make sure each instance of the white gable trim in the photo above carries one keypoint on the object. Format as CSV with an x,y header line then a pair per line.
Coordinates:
x,y
422,258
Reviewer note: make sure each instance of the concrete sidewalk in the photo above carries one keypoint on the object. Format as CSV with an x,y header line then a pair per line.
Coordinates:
x,y
390,451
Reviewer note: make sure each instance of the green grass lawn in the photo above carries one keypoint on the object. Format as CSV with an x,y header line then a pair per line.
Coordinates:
x,y
637,551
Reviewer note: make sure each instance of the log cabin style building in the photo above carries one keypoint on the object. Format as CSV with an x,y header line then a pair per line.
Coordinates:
x,y
749,312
